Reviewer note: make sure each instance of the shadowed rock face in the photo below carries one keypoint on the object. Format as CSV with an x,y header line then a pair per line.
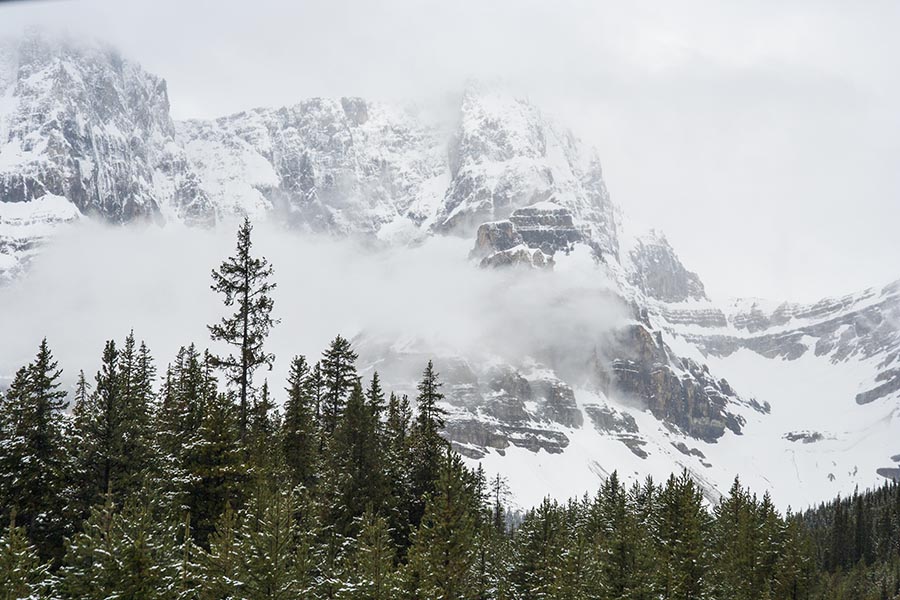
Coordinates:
x,y
608,420
496,236
531,237
676,390
548,227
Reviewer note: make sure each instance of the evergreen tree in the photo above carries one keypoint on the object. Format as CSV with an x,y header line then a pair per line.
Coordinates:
x,y
268,547
188,389
317,385
682,525
339,377
101,432
375,397
794,563
244,281
642,511
428,447
119,555
398,470
300,436
222,566
32,453
490,545
79,493
372,574
769,547
184,579
354,468
440,560
264,433
735,543
136,379
114,436
215,466
22,575
538,544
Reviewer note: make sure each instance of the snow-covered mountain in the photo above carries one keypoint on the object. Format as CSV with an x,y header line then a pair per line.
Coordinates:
x,y
801,399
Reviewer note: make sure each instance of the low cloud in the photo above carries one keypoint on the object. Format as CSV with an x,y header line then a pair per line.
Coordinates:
x,y
93,282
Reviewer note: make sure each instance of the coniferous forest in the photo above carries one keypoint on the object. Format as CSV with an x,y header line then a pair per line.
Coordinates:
x,y
195,481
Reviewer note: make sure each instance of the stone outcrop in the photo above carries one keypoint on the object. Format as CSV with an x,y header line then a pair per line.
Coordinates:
x,y
676,390
657,271
94,128
531,237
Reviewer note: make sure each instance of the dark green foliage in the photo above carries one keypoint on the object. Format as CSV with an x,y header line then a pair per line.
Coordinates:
x,y
221,568
441,561
354,475
268,548
372,575
215,466
244,281
32,453
427,446
112,427
380,508
119,554
338,375
682,525
22,575
398,469
300,441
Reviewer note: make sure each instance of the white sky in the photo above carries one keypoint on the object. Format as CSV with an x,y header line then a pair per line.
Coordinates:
x,y
762,137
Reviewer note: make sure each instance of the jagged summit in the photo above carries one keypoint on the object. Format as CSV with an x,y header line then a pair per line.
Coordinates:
x,y
657,271
80,121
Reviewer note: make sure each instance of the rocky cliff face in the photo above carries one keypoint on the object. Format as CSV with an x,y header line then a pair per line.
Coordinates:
x,y
531,236
861,327
506,156
339,166
81,122
656,270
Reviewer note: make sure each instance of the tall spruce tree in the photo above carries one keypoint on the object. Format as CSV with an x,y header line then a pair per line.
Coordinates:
x,y
375,396
371,576
121,554
339,378
137,375
734,544
428,447
682,526
22,574
244,281
215,466
355,468
113,430
398,469
300,442
32,453
268,547
222,567
441,560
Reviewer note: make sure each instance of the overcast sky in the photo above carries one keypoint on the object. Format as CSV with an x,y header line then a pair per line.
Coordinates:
x,y
762,137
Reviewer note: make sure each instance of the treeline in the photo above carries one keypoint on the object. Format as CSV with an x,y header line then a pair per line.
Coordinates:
x,y
856,543
189,483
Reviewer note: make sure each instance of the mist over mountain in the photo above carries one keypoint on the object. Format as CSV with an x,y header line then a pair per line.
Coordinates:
x,y
571,344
